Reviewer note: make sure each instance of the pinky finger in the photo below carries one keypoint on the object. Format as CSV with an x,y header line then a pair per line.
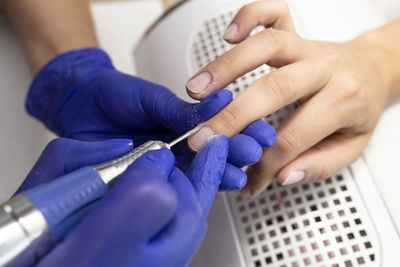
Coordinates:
x,y
328,157
269,13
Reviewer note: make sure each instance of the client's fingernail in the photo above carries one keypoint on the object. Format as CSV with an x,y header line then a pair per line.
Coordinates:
x,y
197,141
294,177
199,83
231,32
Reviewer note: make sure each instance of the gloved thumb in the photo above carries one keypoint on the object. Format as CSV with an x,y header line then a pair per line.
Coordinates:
x,y
207,170
156,161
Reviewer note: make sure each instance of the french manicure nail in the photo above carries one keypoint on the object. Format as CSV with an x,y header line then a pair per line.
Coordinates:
x,y
197,141
294,177
231,32
200,83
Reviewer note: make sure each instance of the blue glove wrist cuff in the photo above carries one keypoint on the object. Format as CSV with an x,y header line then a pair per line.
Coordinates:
x,y
57,80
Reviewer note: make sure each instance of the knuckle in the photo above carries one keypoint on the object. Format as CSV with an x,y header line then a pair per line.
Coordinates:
x,y
333,56
283,5
273,39
248,10
230,118
225,64
288,141
349,87
279,86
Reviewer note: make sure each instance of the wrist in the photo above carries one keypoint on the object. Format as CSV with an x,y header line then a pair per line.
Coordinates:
x,y
56,81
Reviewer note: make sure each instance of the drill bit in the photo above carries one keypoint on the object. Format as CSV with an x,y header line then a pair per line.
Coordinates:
x,y
186,135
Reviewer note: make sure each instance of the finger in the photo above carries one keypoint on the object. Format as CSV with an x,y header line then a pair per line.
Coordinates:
x,y
134,103
207,170
328,157
268,94
180,116
271,13
160,161
262,132
302,130
194,114
244,150
262,48
234,178
63,155
135,210
179,241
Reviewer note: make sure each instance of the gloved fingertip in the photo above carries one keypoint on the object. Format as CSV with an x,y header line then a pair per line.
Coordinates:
x,y
221,98
212,104
217,143
146,186
244,150
271,138
234,179
161,160
262,132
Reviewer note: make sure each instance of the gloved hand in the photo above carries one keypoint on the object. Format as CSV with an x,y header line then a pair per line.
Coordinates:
x,y
133,224
117,228
62,156
80,95
176,244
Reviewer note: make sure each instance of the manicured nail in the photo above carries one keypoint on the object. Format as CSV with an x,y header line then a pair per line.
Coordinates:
x,y
294,177
199,83
197,141
231,32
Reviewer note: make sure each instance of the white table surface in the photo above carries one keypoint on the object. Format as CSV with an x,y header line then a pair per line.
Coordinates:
x,y
119,27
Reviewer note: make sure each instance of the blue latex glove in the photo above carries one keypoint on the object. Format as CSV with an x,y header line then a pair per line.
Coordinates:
x,y
137,208
62,156
80,95
179,241
142,221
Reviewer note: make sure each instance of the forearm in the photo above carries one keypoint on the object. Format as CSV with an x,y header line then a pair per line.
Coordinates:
x,y
48,28
382,45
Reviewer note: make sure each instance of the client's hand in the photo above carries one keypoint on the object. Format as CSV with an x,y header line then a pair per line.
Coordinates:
x,y
341,90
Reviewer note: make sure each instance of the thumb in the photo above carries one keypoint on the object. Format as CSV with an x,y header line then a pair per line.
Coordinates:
x,y
207,170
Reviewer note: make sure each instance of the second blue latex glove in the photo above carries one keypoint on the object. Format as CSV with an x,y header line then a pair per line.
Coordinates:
x,y
80,95
114,229
196,190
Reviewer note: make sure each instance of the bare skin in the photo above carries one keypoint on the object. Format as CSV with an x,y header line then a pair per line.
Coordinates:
x,y
342,89
49,28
